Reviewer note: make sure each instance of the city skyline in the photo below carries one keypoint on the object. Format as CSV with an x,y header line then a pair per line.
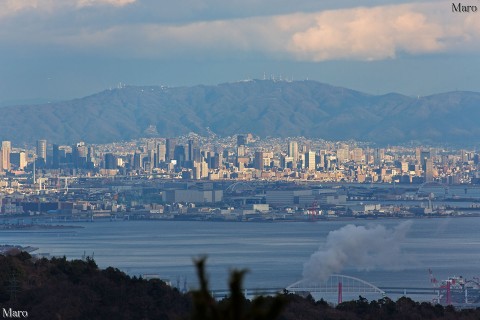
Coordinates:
x,y
56,50
150,117
235,179
246,157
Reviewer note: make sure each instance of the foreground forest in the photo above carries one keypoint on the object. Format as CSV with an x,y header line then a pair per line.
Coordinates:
x,y
60,289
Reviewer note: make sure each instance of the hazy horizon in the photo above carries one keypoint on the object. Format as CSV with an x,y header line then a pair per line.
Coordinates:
x,y
58,50
46,100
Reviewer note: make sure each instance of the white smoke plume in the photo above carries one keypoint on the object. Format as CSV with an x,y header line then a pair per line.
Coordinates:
x,y
364,248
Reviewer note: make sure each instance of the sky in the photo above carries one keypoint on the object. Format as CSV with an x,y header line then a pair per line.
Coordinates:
x,y
62,49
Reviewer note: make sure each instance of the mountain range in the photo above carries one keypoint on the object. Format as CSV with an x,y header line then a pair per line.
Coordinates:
x,y
262,107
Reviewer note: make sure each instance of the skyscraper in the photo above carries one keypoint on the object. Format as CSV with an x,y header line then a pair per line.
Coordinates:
x,y
310,160
343,155
322,156
41,152
137,160
179,154
151,160
18,160
241,140
161,153
358,155
214,160
110,161
418,155
6,150
293,152
191,146
428,170
56,156
258,161
170,148
378,156
79,155
241,151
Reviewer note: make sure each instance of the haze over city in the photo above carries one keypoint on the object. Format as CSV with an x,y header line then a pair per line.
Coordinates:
x,y
63,49
138,137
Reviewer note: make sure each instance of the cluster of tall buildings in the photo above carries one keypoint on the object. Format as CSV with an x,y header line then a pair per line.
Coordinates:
x,y
168,155
247,158
11,159
17,159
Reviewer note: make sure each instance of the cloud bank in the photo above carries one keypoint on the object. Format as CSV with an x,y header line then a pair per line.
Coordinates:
x,y
360,33
13,7
367,34
116,3
361,247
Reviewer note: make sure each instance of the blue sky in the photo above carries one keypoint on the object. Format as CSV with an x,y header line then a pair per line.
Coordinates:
x,y
62,49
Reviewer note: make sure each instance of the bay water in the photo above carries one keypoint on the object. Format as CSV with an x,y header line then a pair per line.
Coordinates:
x,y
273,252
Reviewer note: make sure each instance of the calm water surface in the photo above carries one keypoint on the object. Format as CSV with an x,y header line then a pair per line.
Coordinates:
x,y
273,252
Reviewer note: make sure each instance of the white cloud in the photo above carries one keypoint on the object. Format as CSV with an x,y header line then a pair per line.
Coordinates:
x,y
362,33
12,7
368,34
116,3
9,7
375,33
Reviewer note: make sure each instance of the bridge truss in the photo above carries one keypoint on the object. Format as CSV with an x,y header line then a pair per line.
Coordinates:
x,y
339,287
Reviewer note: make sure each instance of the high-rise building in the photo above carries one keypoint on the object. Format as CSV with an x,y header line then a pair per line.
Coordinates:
x,y
241,151
378,156
404,166
428,170
425,154
56,156
18,160
161,153
358,155
197,171
151,160
213,160
90,161
79,155
241,140
433,154
6,150
179,154
343,155
191,145
322,155
90,154
418,155
258,161
310,160
170,144
42,150
293,152
204,169
110,161
151,145
137,160
463,156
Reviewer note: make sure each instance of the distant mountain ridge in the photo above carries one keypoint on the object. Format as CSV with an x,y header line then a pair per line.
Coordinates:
x,y
262,107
